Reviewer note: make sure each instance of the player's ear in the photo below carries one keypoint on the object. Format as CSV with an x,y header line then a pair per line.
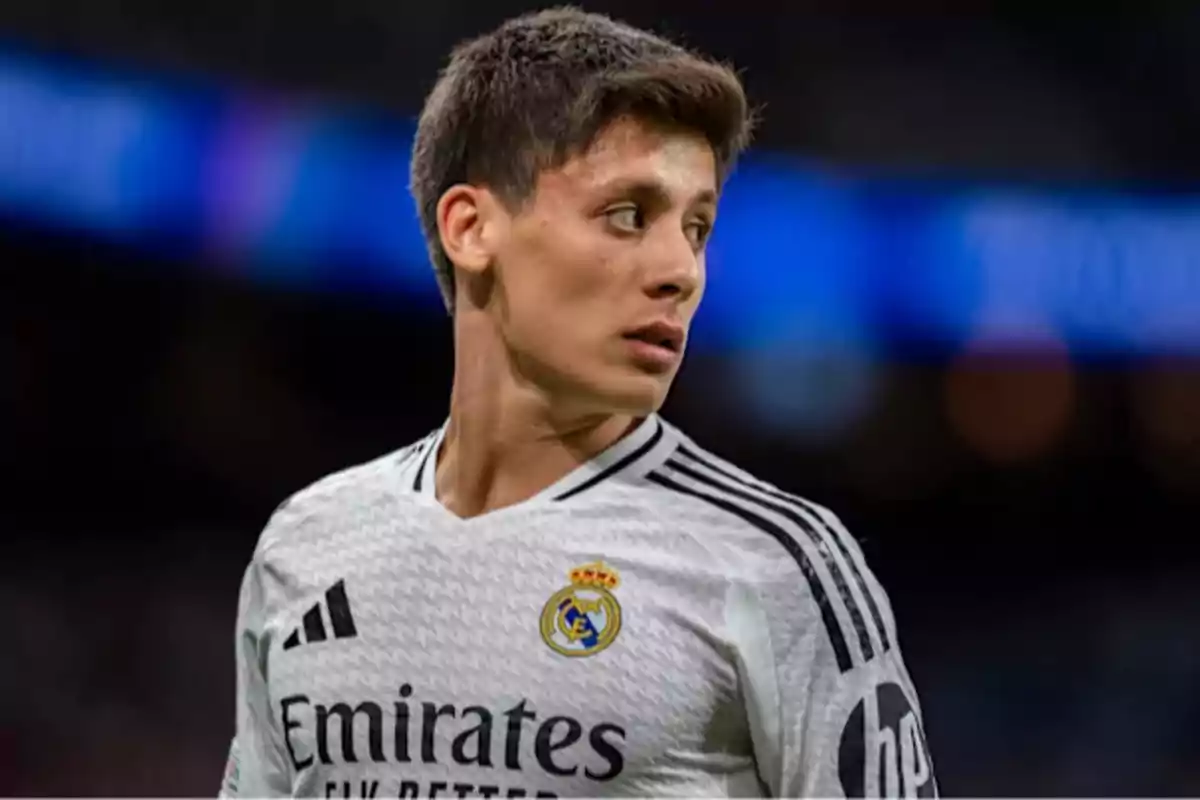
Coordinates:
x,y
469,225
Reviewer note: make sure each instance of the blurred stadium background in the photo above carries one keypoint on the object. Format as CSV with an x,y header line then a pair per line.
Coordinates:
x,y
955,295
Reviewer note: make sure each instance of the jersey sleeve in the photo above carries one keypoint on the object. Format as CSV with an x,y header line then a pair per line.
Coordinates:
x,y
257,764
829,717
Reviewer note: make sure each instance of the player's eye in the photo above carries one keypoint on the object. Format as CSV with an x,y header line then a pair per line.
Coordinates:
x,y
626,218
698,232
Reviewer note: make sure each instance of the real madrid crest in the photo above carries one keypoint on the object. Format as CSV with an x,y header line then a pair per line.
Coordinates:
x,y
583,618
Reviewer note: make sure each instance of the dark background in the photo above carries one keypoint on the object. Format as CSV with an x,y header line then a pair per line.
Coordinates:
x,y
1033,513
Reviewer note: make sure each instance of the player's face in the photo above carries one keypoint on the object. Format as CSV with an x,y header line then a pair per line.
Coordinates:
x,y
603,268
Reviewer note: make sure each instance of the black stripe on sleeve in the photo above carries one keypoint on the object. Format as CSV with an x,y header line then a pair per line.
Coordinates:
x,y
617,467
407,453
793,500
832,627
835,572
419,480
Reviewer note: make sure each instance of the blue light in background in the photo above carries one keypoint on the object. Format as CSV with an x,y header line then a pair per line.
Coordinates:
x,y
317,198
786,258
1104,272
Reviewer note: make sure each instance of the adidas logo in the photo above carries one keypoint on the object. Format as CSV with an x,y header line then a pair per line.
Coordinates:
x,y
313,626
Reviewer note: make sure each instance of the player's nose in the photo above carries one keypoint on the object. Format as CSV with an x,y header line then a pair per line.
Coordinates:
x,y
674,268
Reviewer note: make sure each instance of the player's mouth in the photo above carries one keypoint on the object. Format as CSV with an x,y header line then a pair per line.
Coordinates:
x,y
656,346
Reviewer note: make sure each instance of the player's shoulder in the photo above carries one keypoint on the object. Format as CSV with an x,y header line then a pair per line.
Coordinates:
x,y
793,555
355,489
725,500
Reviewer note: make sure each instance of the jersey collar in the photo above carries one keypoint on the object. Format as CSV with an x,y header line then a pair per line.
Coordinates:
x,y
636,453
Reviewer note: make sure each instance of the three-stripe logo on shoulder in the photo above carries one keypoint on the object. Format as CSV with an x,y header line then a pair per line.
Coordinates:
x,y
811,540
335,607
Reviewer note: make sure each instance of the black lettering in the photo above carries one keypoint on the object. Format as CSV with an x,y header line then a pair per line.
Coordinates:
x,y
606,750
904,768
436,787
489,791
517,793
545,745
400,730
901,757
366,789
346,714
512,742
546,794
289,725
463,789
409,789
483,735
432,715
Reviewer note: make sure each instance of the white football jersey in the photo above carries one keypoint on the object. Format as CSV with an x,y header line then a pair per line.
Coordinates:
x,y
656,623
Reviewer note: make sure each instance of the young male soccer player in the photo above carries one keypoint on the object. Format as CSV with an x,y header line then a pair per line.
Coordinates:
x,y
557,593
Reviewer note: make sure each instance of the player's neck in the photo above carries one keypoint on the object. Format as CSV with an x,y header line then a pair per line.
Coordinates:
x,y
506,439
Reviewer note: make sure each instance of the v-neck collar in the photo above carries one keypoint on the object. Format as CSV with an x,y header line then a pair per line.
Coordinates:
x,y
626,454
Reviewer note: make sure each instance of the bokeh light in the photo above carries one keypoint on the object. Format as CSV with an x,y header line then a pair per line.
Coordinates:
x,y
1166,406
1010,406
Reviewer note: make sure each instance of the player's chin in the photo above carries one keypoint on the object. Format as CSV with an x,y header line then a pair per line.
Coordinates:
x,y
637,392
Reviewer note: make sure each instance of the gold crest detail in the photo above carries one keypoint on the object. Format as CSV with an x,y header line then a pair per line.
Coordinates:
x,y
583,618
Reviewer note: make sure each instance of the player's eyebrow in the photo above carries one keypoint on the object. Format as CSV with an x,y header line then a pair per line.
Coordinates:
x,y
653,192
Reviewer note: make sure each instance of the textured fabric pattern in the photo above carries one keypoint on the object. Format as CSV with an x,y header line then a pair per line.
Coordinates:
x,y
387,648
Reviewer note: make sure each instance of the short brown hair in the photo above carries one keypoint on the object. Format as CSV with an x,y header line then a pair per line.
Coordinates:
x,y
537,90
